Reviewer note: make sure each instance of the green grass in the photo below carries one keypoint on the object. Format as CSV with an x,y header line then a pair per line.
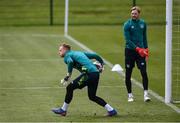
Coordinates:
x,y
113,49
96,12
109,42
176,52
29,59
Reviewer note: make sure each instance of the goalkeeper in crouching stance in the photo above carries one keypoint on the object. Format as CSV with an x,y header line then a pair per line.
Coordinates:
x,y
89,77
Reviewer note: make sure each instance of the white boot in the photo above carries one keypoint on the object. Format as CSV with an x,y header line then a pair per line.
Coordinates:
x,y
130,97
146,96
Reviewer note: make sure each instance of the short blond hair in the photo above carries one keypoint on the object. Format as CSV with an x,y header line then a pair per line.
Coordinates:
x,y
67,46
136,8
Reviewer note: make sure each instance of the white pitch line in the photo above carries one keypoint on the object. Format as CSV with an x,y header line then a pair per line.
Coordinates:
x,y
39,88
157,96
48,35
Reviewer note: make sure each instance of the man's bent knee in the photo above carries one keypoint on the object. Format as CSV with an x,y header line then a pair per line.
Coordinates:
x,y
92,98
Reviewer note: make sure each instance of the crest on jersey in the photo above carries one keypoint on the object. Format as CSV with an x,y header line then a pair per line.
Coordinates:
x,y
141,26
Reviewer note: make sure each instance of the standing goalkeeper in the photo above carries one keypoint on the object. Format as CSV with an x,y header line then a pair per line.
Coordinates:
x,y
89,77
136,50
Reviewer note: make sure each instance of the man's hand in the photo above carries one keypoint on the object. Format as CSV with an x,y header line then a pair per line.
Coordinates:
x,y
66,79
142,52
99,66
63,82
102,68
147,54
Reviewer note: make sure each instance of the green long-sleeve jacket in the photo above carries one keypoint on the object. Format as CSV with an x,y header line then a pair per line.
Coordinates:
x,y
135,34
77,60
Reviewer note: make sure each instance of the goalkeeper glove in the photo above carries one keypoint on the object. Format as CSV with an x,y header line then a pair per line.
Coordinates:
x,y
142,52
147,54
66,79
99,66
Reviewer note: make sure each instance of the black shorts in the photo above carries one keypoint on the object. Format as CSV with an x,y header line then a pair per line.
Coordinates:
x,y
86,79
131,56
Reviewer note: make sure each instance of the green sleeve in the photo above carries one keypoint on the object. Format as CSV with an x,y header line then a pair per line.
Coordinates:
x,y
127,36
69,62
145,36
94,56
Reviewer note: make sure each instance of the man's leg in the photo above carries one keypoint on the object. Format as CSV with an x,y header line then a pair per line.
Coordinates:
x,y
144,78
141,63
77,83
128,84
92,82
145,84
69,95
128,79
129,65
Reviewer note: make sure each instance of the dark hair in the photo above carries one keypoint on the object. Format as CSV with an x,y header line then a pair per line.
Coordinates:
x,y
136,8
67,46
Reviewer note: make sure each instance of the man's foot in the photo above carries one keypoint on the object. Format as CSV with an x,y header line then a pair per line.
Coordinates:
x,y
130,98
147,98
59,111
112,113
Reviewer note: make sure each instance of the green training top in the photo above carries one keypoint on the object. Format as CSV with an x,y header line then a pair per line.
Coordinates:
x,y
79,60
135,34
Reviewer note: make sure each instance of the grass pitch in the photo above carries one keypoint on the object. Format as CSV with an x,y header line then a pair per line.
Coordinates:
x,y
30,68
30,72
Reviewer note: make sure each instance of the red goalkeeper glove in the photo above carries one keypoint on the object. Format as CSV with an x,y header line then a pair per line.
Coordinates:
x,y
142,52
146,54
